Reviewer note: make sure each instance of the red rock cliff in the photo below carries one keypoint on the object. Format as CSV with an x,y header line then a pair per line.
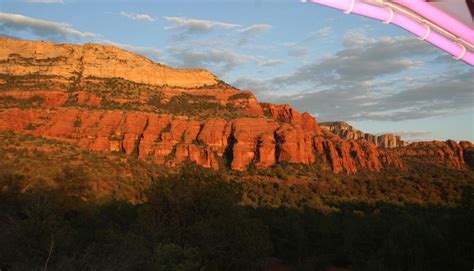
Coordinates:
x,y
171,140
105,99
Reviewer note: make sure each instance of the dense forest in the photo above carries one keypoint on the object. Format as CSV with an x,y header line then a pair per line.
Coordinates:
x,y
54,216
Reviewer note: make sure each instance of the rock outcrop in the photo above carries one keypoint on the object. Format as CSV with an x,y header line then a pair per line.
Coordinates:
x,y
448,153
22,57
346,131
171,140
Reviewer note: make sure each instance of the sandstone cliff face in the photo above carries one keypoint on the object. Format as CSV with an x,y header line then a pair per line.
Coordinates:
x,y
21,57
449,153
171,140
346,131
105,99
285,113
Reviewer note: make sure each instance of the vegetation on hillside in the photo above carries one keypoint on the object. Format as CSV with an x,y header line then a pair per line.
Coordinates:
x,y
67,209
120,94
31,82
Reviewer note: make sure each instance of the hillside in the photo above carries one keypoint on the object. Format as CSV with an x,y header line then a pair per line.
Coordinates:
x,y
109,161
105,99
102,98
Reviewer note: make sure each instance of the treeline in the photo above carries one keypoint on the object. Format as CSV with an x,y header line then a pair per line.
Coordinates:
x,y
196,219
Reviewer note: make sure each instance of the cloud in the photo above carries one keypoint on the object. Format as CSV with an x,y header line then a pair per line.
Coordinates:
x,y
296,50
256,28
300,48
137,16
249,32
13,23
46,1
270,62
445,95
325,31
360,60
366,80
189,25
219,60
261,87
218,52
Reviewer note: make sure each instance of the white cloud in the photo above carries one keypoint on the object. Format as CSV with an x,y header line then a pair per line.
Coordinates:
x,y
12,23
296,50
270,62
218,60
46,1
300,48
137,16
365,80
325,31
255,28
195,25
360,60
251,31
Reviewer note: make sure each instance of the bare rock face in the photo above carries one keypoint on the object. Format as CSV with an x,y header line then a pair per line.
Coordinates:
x,y
105,99
448,153
21,57
351,155
346,131
285,113
171,140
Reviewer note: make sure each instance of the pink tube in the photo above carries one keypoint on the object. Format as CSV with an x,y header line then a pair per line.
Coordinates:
x,y
421,31
440,18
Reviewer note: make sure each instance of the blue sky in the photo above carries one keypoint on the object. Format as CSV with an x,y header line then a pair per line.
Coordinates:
x,y
335,66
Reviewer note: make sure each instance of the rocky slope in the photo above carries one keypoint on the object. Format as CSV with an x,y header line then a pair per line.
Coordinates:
x,y
346,131
106,99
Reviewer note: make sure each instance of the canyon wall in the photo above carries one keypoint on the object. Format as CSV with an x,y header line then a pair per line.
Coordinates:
x,y
105,99
211,143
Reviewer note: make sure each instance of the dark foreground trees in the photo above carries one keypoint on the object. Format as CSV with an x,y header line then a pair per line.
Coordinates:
x,y
195,220
192,221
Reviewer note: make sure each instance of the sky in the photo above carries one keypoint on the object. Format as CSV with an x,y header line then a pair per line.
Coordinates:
x,y
338,67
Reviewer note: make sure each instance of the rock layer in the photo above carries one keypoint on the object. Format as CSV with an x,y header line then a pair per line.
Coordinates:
x,y
448,153
171,140
22,57
105,99
346,131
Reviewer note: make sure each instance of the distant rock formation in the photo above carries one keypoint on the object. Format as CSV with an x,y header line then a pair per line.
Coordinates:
x,y
346,131
447,153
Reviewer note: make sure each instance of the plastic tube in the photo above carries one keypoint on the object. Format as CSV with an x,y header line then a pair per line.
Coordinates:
x,y
440,18
422,31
